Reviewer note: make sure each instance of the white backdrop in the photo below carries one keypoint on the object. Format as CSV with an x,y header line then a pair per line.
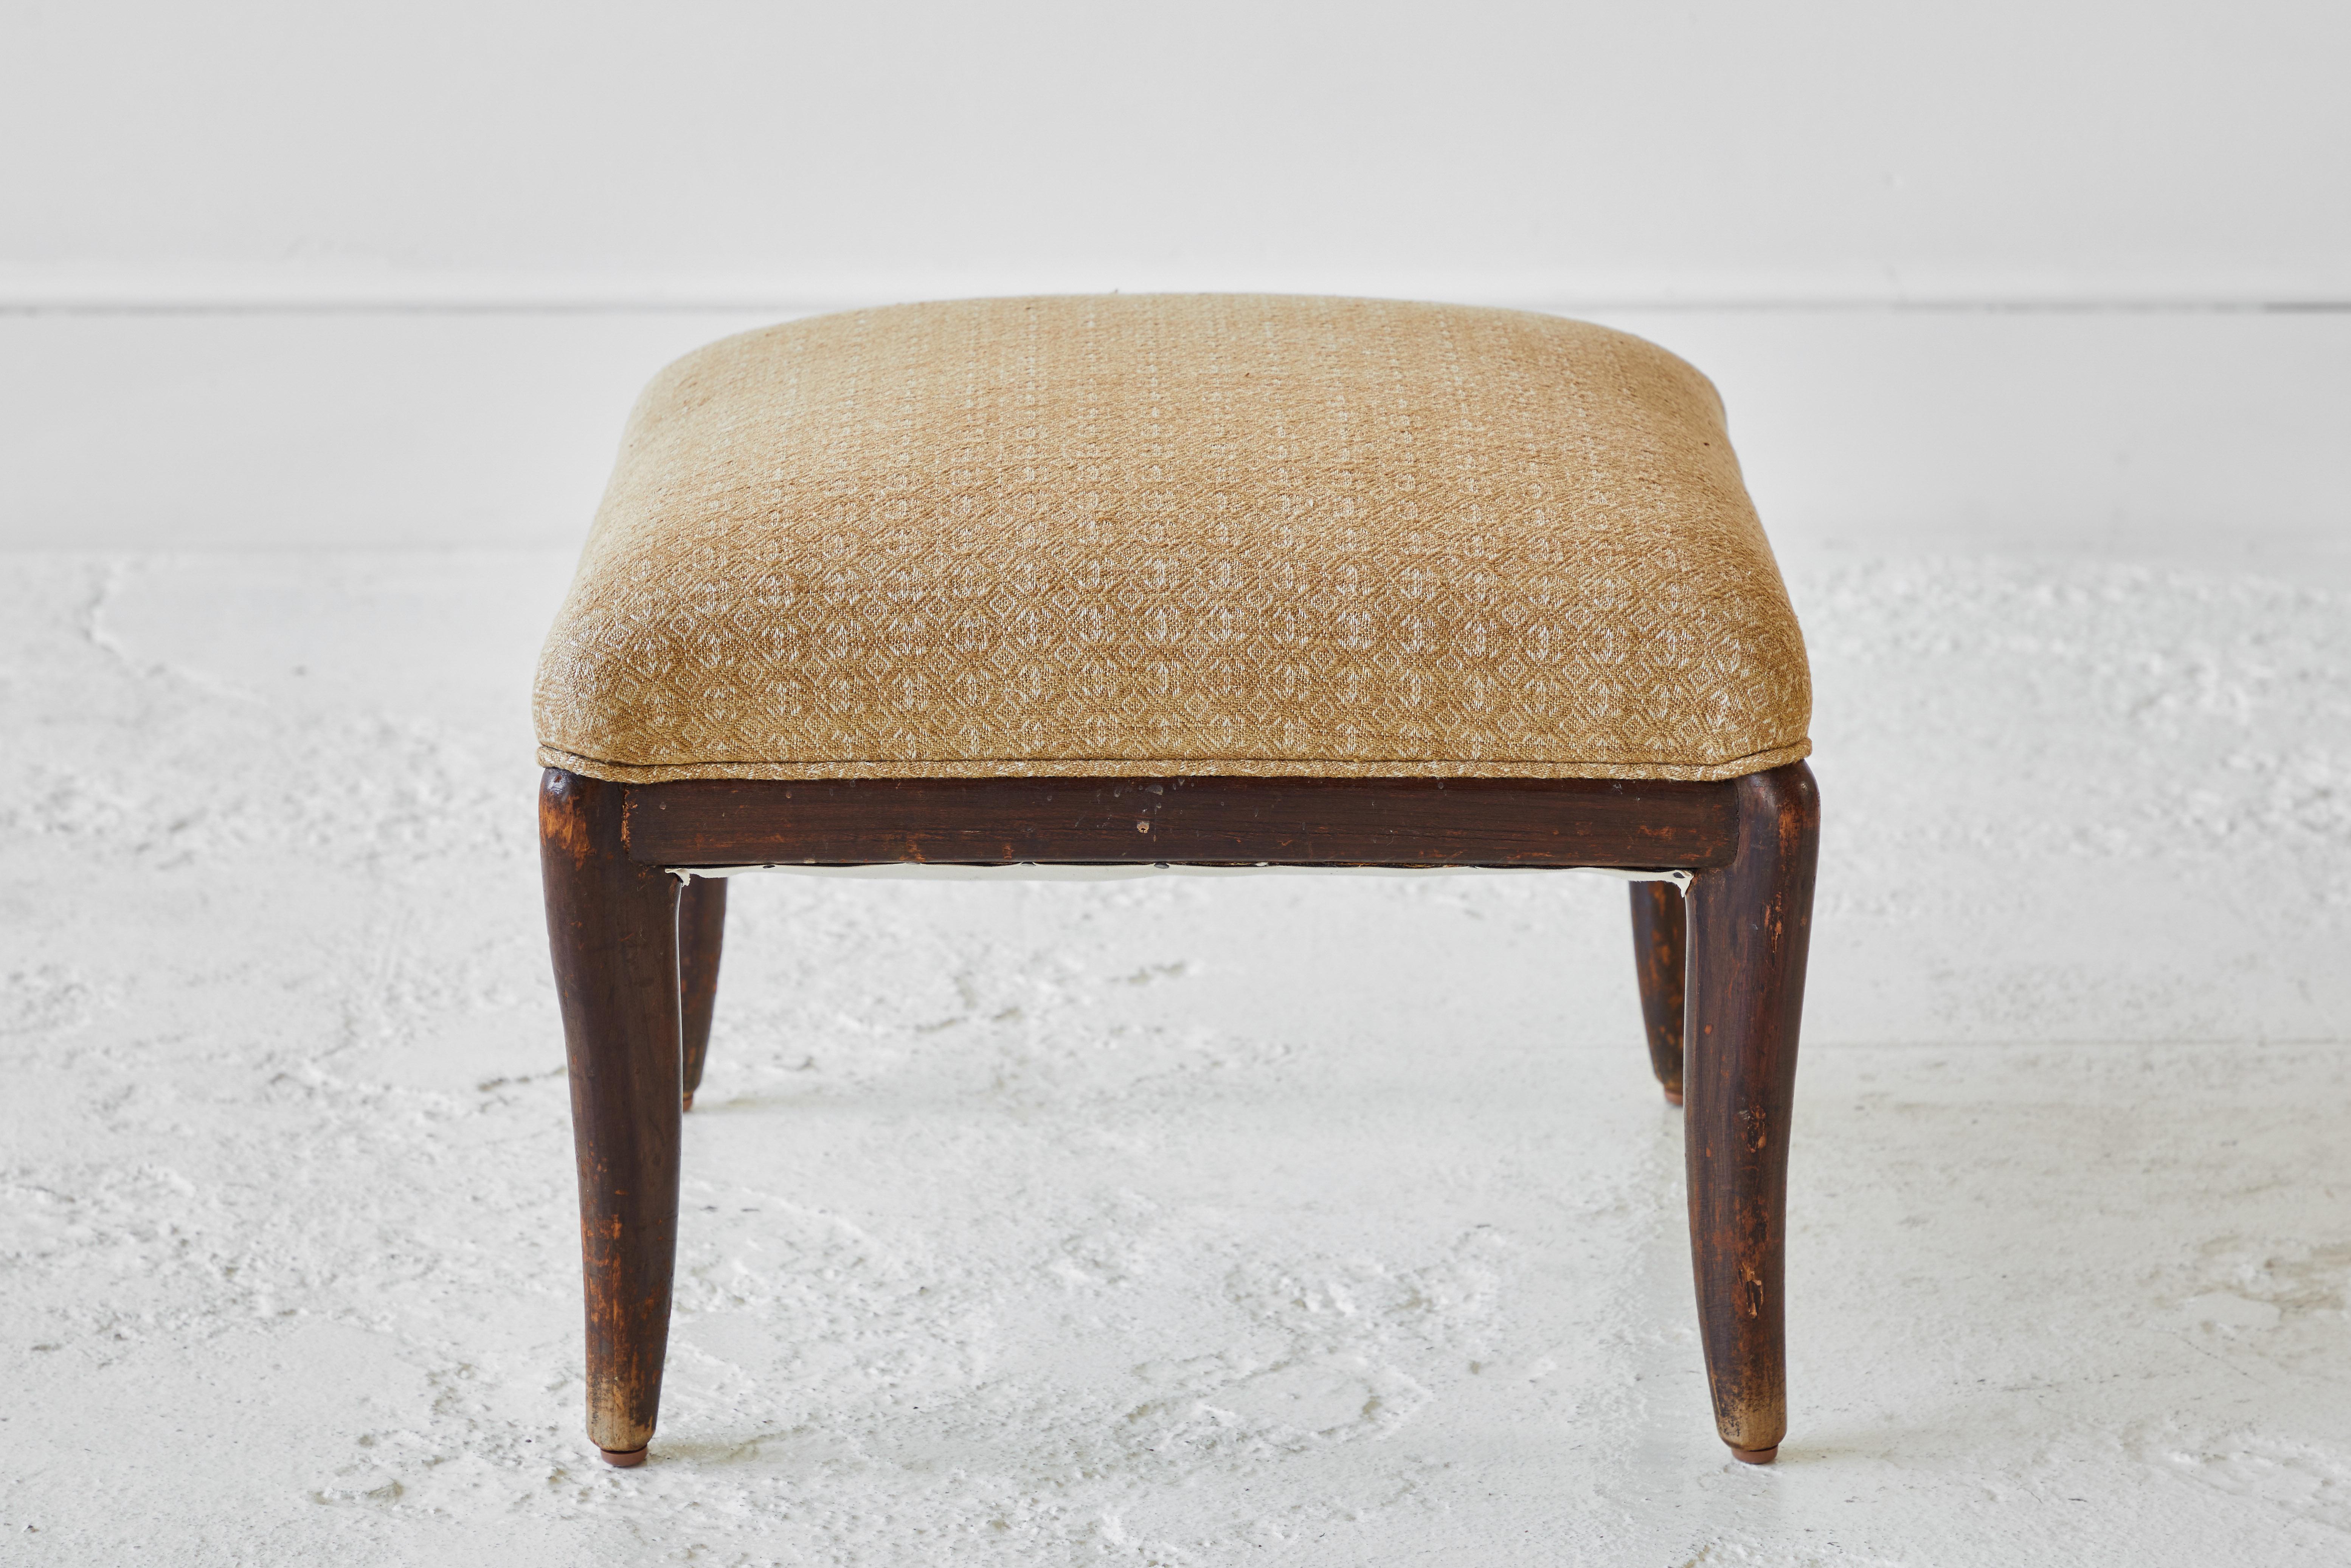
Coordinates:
x,y
291,274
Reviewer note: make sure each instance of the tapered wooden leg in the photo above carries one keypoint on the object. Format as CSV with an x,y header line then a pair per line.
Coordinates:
x,y
1658,946
701,932
1750,924
612,923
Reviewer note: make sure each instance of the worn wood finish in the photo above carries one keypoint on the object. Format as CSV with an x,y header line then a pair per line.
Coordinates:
x,y
1642,823
1750,924
701,932
1722,974
1659,949
612,923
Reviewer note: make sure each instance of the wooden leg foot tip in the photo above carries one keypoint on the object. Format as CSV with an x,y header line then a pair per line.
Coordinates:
x,y
630,1458
1673,1096
1744,1456
689,1100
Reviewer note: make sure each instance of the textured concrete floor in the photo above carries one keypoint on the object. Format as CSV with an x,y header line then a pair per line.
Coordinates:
x,y
1187,1222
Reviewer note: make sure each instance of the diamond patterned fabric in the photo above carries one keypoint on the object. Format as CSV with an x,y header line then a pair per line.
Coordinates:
x,y
1182,534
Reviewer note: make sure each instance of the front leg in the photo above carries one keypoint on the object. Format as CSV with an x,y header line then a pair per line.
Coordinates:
x,y
613,924
1750,924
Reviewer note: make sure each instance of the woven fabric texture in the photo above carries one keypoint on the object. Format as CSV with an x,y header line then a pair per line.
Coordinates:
x,y
1182,534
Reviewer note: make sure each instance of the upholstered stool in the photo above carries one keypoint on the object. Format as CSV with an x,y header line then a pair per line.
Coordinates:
x,y
1183,581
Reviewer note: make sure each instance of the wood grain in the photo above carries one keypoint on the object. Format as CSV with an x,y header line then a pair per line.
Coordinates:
x,y
1749,929
1659,953
1722,975
701,935
612,925
1632,823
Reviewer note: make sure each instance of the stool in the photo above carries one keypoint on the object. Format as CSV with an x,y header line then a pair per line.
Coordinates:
x,y
1181,580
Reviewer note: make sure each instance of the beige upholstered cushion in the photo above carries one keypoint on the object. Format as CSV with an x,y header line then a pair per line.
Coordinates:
x,y
1175,534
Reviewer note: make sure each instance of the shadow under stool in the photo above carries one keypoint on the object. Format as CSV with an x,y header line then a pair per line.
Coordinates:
x,y
1211,580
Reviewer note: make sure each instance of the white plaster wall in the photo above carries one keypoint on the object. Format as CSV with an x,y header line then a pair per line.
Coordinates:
x,y
258,149
301,275
2207,433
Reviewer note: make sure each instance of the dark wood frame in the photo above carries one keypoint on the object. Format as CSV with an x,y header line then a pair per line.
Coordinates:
x,y
1721,973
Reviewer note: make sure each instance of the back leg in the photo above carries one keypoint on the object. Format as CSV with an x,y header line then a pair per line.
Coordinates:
x,y
701,931
1660,944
